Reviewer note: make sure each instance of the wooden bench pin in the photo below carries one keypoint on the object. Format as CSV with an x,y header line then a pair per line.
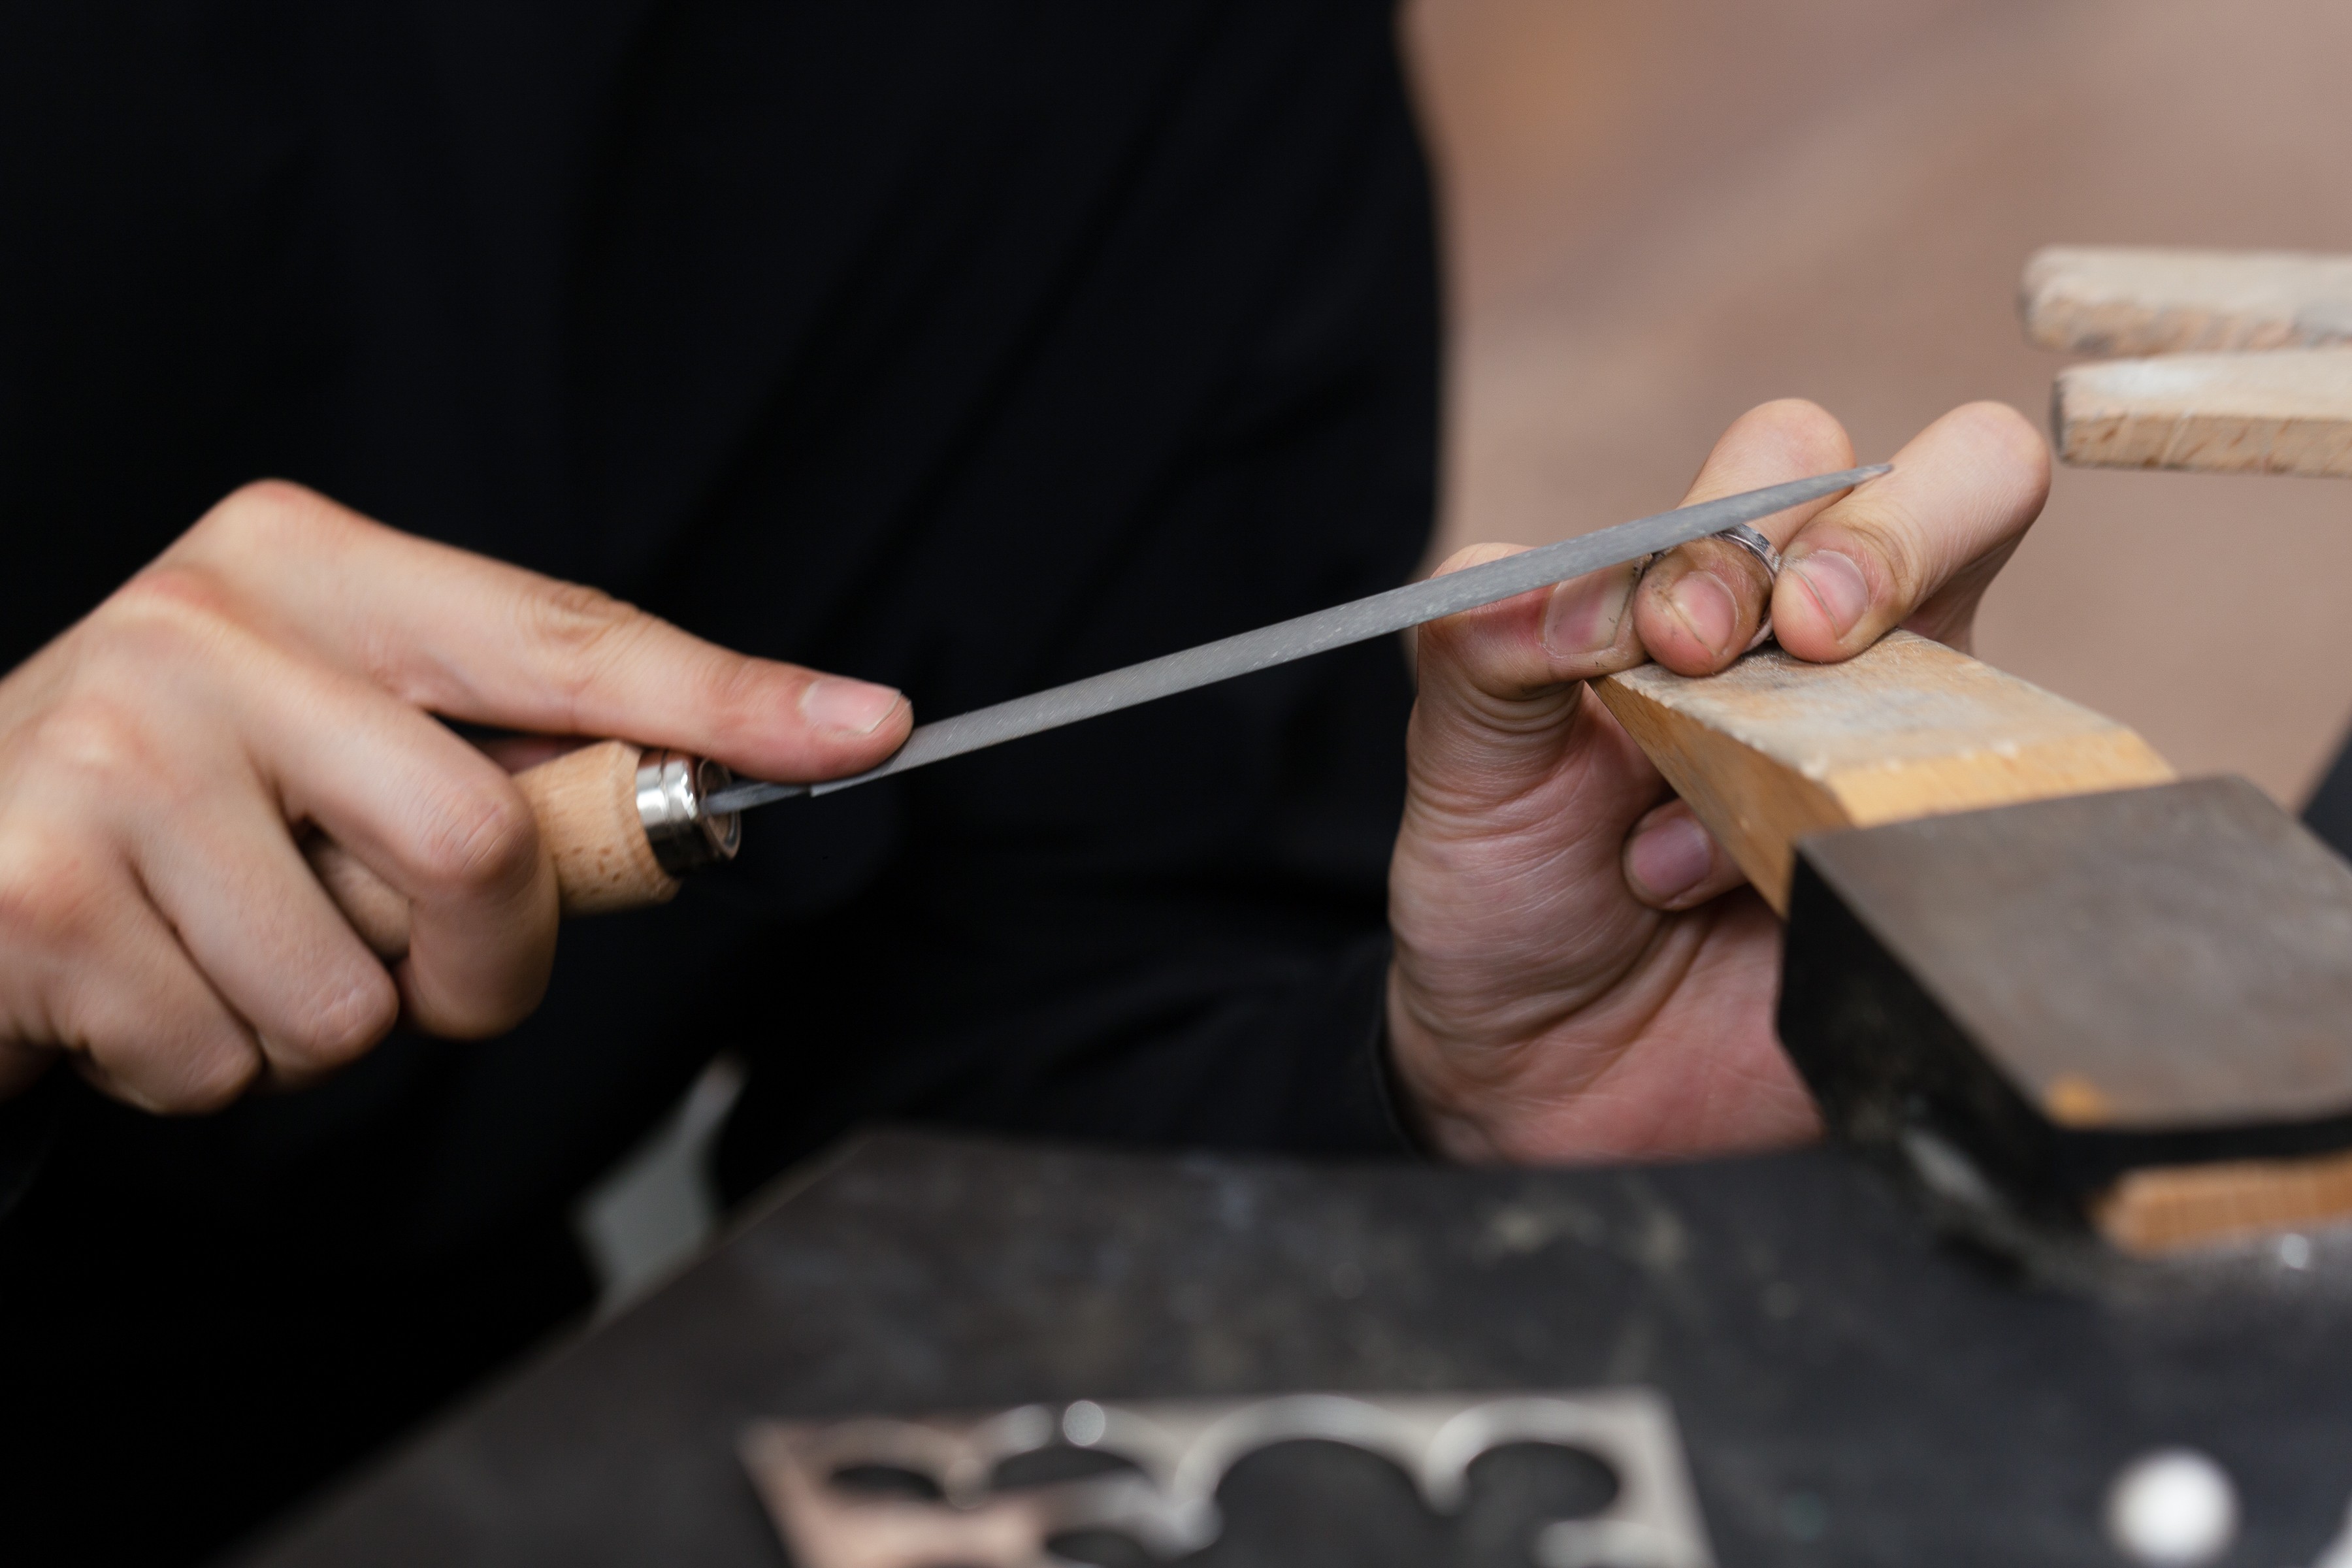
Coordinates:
x,y
2021,957
2252,357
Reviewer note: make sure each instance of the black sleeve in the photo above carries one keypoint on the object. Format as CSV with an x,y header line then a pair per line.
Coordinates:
x,y
972,347
2328,811
1209,402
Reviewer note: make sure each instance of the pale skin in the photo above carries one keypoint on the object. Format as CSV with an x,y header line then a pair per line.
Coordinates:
x,y
1578,973
275,671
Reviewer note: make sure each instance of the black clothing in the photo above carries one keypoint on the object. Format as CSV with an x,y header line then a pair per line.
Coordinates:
x,y
969,347
2328,811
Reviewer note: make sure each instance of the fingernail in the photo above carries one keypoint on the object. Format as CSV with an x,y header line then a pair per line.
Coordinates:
x,y
1707,607
1836,585
1583,617
1670,858
852,707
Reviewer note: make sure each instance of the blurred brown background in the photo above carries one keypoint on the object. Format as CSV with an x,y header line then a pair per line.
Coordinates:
x,y
1664,211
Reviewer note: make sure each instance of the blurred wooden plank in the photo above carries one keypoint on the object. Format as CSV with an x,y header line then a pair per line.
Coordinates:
x,y
1775,748
2140,299
2170,1208
2287,411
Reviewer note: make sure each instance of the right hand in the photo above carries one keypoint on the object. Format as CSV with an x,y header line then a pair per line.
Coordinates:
x,y
277,670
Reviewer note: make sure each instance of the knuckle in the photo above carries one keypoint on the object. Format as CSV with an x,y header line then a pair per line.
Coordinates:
x,y
52,899
89,743
484,839
174,617
742,695
342,1024
1902,553
200,1066
585,629
205,1074
174,599
264,514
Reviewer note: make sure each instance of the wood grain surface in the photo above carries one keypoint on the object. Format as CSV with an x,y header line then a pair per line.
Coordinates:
x,y
2147,299
1775,748
2286,412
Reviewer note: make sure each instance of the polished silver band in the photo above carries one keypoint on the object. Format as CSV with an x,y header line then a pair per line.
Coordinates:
x,y
1761,547
1739,533
671,788
1756,544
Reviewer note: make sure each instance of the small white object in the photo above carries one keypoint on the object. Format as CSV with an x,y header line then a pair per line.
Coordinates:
x,y
2172,1509
2294,1251
1084,1424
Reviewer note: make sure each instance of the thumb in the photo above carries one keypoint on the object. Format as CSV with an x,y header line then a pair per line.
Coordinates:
x,y
477,639
1501,685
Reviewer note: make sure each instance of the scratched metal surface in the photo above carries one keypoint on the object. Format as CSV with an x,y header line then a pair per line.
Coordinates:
x,y
1849,1390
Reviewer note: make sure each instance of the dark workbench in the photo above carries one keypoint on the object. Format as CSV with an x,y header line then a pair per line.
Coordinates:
x,y
1849,1388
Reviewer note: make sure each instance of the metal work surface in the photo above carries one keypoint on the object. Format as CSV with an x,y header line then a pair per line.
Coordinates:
x,y
1847,1388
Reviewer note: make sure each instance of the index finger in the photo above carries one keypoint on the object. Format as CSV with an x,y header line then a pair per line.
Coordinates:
x,y
477,639
1917,547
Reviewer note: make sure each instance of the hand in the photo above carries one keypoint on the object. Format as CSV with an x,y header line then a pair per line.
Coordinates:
x,y
277,670
1580,972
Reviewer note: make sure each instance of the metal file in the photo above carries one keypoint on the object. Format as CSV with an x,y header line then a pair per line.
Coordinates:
x,y
1360,620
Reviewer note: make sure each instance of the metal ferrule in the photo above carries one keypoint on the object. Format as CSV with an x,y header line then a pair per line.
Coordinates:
x,y
671,788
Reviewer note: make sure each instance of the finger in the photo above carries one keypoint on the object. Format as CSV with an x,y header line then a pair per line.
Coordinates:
x,y
1497,683
1699,605
1673,862
438,821
483,641
1540,639
94,971
1919,546
430,815
225,871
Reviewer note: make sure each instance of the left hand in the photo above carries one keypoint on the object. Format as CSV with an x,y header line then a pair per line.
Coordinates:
x,y
1580,972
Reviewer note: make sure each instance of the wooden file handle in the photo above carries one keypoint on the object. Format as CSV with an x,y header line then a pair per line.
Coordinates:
x,y
607,812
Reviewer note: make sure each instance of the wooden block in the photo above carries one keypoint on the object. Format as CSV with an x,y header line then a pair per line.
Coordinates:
x,y
2120,1005
1775,748
2144,299
2131,1011
2288,412
2174,1208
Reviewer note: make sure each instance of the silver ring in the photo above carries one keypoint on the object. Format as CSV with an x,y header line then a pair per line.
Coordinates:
x,y
1756,544
1761,547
